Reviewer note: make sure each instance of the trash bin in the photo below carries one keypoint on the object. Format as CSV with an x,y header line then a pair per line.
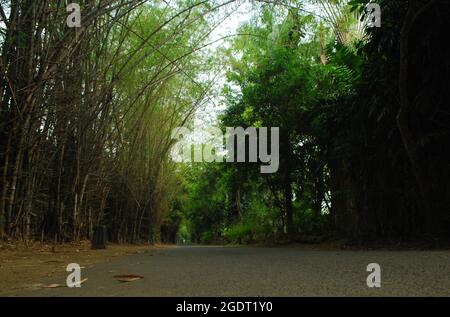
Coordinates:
x,y
99,238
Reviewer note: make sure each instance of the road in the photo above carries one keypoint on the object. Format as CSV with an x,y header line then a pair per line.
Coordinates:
x,y
258,271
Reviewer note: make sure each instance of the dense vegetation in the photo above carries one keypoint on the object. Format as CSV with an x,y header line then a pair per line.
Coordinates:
x,y
87,114
362,143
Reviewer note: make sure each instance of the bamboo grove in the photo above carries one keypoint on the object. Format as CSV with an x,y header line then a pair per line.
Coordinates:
x,y
86,114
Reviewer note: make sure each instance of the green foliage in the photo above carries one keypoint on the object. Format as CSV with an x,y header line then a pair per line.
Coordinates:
x,y
184,235
281,84
333,92
239,233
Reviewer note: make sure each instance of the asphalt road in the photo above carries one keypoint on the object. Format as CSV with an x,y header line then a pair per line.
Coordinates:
x,y
254,271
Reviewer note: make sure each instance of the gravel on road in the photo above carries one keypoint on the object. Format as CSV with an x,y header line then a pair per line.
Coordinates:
x,y
260,271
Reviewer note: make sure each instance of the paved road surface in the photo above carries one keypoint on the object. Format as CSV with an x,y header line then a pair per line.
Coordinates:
x,y
249,271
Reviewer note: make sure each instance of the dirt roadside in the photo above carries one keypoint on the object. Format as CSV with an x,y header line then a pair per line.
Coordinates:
x,y
23,267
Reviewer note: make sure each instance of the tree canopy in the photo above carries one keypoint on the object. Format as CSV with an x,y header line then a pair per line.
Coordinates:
x,y
87,115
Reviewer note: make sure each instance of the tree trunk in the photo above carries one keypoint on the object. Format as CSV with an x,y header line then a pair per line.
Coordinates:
x,y
414,11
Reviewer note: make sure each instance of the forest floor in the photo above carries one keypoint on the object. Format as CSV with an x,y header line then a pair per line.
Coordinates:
x,y
23,267
260,271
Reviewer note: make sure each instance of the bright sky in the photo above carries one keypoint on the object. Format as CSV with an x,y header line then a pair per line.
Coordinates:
x,y
228,19
232,17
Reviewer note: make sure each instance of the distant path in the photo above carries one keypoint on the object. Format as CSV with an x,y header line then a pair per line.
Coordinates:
x,y
250,271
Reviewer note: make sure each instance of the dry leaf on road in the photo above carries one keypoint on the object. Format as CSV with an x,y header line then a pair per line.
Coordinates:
x,y
53,286
80,282
128,278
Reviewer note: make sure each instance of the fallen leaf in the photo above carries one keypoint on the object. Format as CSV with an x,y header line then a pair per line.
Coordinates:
x,y
36,285
80,282
60,285
53,286
128,278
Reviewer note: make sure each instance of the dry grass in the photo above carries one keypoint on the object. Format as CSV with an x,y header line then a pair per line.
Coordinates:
x,y
25,266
